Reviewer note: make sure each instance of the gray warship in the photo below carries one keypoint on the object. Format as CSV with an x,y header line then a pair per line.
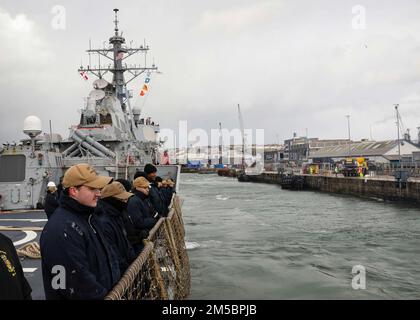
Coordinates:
x,y
111,134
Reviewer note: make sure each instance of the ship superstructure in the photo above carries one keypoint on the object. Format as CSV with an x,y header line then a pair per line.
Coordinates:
x,y
111,134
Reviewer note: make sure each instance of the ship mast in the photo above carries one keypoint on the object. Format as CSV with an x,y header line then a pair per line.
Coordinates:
x,y
117,52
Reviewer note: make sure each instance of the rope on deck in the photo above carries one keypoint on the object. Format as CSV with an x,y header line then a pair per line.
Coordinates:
x,y
30,250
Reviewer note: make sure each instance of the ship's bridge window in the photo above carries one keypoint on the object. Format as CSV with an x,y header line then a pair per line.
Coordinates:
x,y
87,120
12,168
107,119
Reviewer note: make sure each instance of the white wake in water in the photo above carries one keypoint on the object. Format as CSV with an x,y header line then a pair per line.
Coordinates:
x,y
191,245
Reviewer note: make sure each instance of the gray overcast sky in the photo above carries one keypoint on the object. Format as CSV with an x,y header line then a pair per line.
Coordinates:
x,y
290,64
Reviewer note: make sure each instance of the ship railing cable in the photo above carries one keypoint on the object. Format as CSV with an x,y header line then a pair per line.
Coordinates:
x,y
162,270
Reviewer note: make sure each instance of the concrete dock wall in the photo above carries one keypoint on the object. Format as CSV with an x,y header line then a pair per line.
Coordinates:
x,y
365,187
386,189
265,178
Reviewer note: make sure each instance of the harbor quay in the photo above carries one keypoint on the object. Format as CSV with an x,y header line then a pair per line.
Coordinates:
x,y
377,187
387,169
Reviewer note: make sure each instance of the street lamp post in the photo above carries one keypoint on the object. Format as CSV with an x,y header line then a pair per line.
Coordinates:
x,y
399,172
398,132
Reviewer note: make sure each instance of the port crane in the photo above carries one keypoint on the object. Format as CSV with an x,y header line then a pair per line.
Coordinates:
x,y
241,127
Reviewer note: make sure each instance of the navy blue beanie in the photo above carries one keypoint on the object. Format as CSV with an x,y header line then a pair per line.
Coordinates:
x,y
149,168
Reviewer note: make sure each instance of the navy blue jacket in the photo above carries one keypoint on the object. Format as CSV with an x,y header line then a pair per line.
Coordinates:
x,y
110,215
13,284
167,193
51,203
157,200
73,239
141,211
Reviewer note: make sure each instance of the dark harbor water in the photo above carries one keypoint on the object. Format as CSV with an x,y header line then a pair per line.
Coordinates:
x,y
257,241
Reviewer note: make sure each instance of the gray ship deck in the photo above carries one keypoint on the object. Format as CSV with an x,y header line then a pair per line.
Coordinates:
x,y
32,267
